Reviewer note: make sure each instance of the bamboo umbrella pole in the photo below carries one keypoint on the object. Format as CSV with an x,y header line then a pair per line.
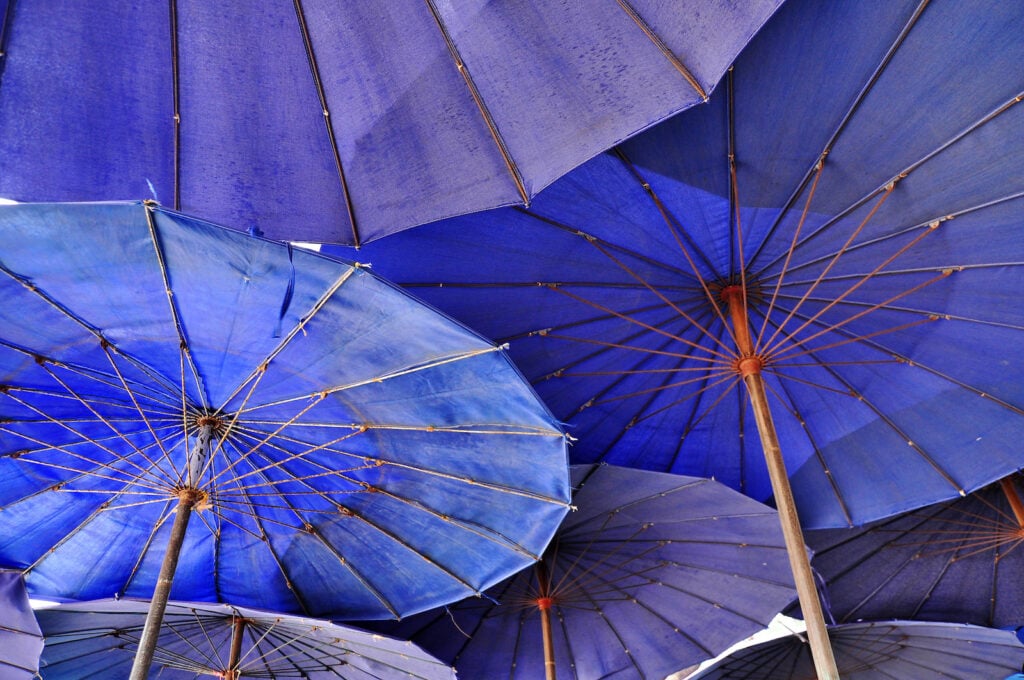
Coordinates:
x,y
234,655
749,366
1010,490
188,497
544,603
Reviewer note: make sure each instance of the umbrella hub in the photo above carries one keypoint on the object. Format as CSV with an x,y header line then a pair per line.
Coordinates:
x,y
545,603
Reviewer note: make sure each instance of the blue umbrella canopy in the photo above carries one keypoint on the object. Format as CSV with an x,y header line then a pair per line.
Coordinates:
x,y
340,122
959,560
852,196
97,639
343,450
651,573
896,650
21,641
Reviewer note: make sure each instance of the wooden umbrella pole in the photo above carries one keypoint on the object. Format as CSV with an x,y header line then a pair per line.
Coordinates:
x,y
544,603
1010,490
749,366
235,654
162,592
188,497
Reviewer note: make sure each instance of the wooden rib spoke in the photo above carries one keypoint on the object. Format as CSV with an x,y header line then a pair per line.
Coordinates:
x,y
123,438
658,292
835,260
717,375
792,248
315,397
730,381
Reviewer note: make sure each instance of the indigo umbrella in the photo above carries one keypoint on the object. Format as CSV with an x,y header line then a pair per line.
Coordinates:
x,y
21,641
315,120
959,561
342,450
97,640
838,230
895,650
651,572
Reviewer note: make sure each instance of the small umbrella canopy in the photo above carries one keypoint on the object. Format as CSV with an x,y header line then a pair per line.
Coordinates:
x,y
20,638
870,228
340,121
652,572
97,640
956,561
897,650
343,450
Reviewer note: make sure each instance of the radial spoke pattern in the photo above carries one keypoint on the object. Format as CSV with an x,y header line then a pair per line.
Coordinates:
x,y
625,581
344,423
871,256
196,640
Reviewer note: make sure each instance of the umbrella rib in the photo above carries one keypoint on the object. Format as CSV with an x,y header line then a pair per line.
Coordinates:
x,y
987,118
676,62
481,106
310,529
85,372
730,158
5,27
796,349
147,544
300,327
789,253
904,272
376,461
320,395
892,425
684,248
676,629
726,355
183,347
139,410
906,360
728,351
264,537
735,222
138,478
719,375
121,436
899,233
640,408
212,659
314,71
632,348
847,117
732,381
175,99
633,254
605,348
780,329
67,313
790,404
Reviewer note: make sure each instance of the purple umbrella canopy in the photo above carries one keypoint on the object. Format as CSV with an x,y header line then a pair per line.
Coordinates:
x,y
341,121
960,561
20,638
651,573
97,639
896,650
